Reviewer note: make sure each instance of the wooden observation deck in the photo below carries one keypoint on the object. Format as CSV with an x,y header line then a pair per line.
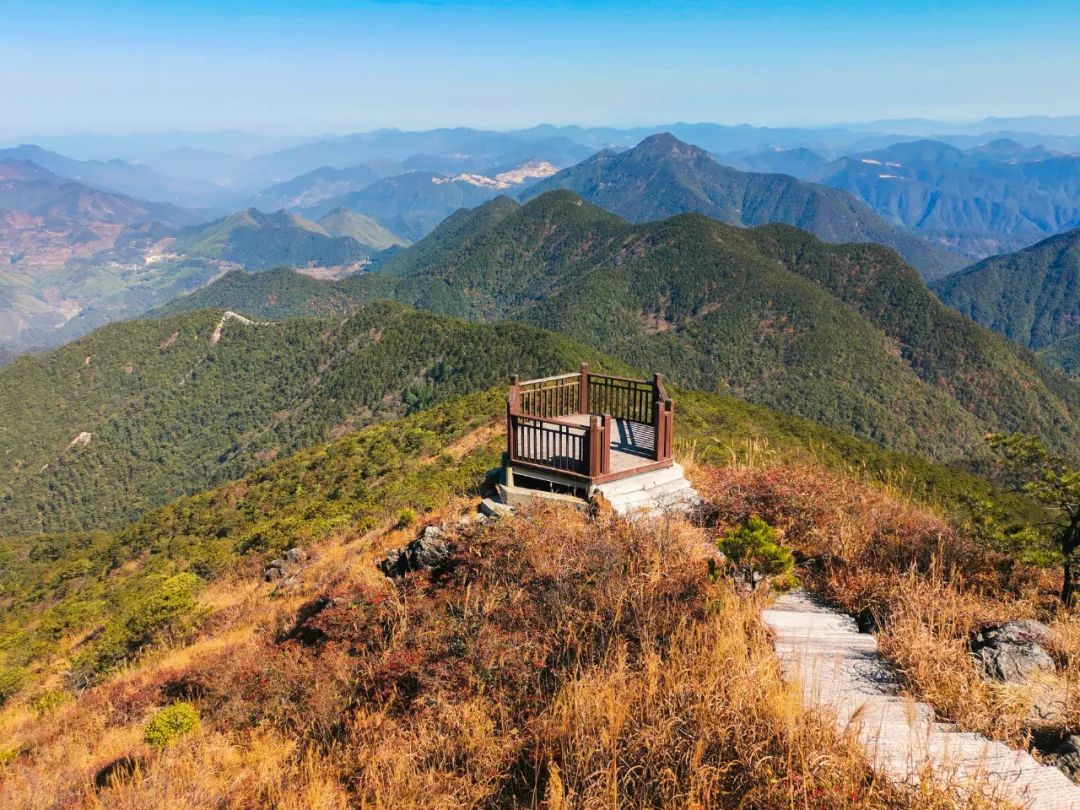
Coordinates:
x,y
584,429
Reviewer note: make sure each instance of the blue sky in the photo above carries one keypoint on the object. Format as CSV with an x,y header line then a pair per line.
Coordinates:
x,y
333,66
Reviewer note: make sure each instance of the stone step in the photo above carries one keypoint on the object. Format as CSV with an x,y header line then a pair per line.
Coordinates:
x,y
666,489
493,508
520,496
838,668
682,500
642,481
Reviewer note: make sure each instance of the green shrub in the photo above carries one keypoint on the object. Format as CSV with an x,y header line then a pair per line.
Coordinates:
x,y
753,548
11,681
406,517
166,611
48,701
170,724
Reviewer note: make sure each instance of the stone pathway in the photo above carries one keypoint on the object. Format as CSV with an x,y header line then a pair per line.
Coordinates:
x,y
839,668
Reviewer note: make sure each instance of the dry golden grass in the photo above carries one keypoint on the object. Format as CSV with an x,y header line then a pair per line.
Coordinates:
x,y
555,663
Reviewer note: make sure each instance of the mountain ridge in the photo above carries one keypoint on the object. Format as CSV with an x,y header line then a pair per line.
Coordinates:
x,y
663,176
1031,296
843,334
985,200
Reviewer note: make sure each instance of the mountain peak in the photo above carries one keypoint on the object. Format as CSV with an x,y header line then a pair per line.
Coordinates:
x,y
664,144
663,176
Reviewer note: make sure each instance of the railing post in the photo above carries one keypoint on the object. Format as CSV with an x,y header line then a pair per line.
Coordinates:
x,y
658,429
596,455
669,431
605,445
665,429
511,408
583,389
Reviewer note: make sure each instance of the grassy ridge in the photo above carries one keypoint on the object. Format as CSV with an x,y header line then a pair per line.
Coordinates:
x,y
56,586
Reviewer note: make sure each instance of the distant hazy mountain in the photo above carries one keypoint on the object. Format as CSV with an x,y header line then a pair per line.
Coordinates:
x,y
989,199
365,230
312,188
73,257
60,251
217,168
461,150
258,241
663,176
1031,296
412,204
799,162
119,176
32,188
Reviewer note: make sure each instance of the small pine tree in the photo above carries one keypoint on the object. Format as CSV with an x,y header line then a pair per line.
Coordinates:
x,y
753,548
170,724
1053,481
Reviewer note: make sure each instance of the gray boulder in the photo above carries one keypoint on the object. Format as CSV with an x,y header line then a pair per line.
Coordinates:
x,y
1012,652
429,550
288,567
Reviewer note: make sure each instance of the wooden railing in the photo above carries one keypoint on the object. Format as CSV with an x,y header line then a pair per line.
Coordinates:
x,y
622,397
539,433
550,396
580,451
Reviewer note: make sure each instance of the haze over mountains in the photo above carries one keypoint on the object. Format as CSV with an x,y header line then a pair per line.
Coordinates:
x,y
117,244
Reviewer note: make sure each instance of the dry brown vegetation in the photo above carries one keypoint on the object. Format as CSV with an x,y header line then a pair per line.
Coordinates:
x,y
924,583
553,662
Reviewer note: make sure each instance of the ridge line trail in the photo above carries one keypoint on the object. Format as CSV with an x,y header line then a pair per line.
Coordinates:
x,y
839,669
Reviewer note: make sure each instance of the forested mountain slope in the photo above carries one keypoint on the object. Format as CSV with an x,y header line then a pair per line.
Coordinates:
x,y
847,335
844,334
284,293
140,412
662,176
1031,296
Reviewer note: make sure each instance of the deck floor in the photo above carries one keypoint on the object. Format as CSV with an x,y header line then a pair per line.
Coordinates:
x,y
632,443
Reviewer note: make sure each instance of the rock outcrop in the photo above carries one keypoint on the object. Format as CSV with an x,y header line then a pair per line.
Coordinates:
x,y
1012,652
429,550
